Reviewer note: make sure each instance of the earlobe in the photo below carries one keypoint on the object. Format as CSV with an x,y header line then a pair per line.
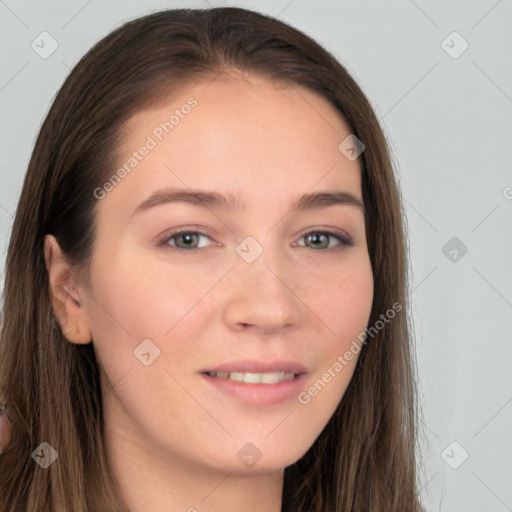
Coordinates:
x,y
64,296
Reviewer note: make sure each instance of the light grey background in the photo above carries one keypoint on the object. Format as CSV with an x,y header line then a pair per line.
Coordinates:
x,y
449,122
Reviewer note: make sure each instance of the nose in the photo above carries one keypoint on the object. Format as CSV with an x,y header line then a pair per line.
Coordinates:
x,y
261,297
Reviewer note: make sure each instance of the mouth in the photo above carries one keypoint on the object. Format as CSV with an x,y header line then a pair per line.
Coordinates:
x,y
255,378
257,382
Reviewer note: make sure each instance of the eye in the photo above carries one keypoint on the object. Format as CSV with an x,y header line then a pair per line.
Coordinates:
x,y
190,240
321,239
186,240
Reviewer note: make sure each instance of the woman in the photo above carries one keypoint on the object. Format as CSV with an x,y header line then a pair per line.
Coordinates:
x,y
205,304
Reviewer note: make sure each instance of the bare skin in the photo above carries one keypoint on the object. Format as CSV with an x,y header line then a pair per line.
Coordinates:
x,y
173,439
5,432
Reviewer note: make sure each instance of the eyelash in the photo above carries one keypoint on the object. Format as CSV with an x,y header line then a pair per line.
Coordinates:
x,y
345,240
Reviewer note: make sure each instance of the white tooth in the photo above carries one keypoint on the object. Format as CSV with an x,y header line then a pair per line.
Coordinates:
x,y
269,378
253,378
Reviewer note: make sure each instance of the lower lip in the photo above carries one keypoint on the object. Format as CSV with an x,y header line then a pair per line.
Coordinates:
x,y
258,394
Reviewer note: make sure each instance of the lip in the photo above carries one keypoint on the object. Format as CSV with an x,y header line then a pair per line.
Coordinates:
x,y
258,394
259,366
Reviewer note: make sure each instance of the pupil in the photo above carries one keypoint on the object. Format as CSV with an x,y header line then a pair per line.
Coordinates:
x,y
315,238
188,238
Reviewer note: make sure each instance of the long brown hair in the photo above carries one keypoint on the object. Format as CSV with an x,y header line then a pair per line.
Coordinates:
x,y
365,458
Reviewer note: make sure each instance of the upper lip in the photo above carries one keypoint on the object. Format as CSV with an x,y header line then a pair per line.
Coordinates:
x,y
258,366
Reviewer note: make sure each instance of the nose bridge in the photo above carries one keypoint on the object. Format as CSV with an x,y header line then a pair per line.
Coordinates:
x,y
261,292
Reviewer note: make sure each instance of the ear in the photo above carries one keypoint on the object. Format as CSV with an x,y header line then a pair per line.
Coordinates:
x,y
64,294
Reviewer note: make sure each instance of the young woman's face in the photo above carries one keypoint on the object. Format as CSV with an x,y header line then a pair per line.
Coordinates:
x,y
260,289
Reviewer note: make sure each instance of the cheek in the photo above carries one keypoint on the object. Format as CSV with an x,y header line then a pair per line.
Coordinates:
x,y
133,303
144,301
344,307
344,302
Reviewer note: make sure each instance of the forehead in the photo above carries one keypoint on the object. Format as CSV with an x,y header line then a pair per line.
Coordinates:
x,y
239,132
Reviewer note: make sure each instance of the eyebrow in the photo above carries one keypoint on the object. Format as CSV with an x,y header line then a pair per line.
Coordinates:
x,y
230,202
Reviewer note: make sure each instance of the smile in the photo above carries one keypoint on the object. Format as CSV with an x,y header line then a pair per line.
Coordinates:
x,y
254,378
